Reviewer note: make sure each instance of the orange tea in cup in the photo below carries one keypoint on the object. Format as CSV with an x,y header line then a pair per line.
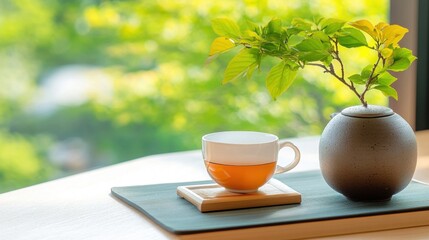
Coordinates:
x,y
241,177
243,161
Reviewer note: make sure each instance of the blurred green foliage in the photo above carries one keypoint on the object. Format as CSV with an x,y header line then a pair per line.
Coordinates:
x,y
150,91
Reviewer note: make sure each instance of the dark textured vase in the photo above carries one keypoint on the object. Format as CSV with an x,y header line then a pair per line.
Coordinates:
x,y
368,153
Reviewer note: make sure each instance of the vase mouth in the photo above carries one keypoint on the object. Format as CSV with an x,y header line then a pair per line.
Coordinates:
x,y
371,111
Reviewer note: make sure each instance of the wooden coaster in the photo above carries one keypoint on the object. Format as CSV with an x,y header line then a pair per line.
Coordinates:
x,y
212,197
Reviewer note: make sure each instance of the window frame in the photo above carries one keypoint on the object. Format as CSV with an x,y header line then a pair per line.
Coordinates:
x,y
422,86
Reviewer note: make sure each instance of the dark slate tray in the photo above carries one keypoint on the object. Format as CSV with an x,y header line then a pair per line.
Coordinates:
x,y
319,202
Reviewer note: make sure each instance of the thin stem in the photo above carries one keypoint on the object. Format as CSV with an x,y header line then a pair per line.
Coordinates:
x,y
337,57
331,71
351,85
371,78
318,65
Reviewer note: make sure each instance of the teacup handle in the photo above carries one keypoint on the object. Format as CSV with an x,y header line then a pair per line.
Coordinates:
x,y
295,161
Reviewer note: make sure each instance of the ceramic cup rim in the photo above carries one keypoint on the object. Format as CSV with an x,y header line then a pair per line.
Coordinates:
x,y
244,138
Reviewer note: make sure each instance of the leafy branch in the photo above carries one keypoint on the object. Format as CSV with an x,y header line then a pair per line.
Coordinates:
x,y
307,43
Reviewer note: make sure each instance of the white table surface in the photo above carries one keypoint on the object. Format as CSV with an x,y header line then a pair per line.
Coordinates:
x,y
81,206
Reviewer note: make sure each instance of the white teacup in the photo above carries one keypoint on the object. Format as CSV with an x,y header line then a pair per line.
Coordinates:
x,y
243,161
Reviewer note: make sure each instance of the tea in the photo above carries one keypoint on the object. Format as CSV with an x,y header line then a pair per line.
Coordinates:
x,y
241,178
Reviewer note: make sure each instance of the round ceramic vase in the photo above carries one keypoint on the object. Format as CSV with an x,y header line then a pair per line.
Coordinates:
x,y
368,153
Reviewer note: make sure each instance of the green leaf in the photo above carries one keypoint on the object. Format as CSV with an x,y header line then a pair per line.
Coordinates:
x,y
280,78
302,24
400,65
273,31
366,71
293,31
387,91
240,64
403,53
254,27
351,37
251,35
269,47
275,26
386,79
312,50
308,45
220,45
327,61
402,59
292,65
250,71
226,27
358,79
321,36
318,55
331,25
295,40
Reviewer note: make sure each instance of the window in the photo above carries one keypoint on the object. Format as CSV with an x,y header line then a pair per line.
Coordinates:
x,y
101,82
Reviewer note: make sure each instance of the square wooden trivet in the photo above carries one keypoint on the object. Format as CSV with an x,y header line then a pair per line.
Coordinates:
x,y
212,197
